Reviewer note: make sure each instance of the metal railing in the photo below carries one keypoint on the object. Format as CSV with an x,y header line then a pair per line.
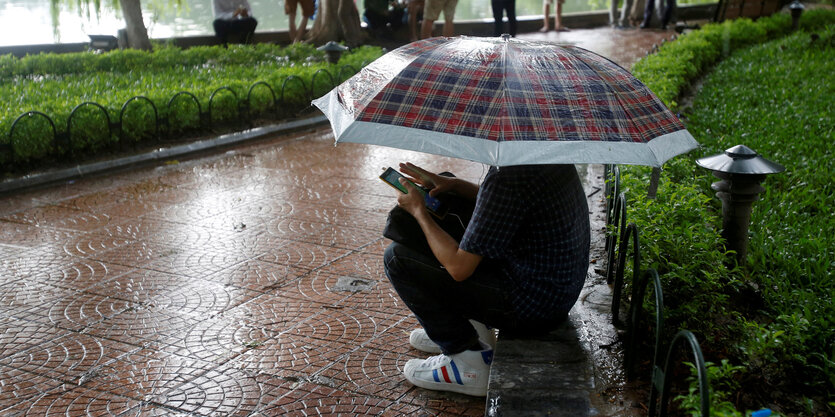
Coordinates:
x,y
69,145
618,239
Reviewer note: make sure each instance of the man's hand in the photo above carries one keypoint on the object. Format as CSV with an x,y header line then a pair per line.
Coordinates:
x,y
439,184
459,263
413,201
435,183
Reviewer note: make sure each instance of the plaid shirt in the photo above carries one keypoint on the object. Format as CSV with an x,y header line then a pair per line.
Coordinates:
x,y
533,220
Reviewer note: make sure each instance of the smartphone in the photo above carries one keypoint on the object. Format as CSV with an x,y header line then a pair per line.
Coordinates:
x,y
391,177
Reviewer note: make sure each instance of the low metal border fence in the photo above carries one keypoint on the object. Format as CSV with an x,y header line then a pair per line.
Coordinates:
x,y
61,146
619,236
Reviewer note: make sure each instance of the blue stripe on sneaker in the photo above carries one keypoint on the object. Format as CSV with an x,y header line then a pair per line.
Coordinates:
x,y
435,375
455,371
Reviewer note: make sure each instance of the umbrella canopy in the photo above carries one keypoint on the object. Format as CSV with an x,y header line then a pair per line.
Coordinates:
x,y
505,101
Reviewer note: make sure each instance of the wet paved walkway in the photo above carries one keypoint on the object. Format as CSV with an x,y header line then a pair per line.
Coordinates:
x,y
242,283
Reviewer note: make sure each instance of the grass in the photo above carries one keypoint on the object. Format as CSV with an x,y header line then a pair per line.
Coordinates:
x,y
55,84
769,323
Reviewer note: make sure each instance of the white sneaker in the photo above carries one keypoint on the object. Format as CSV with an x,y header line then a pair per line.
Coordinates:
x,y
420,341
467,372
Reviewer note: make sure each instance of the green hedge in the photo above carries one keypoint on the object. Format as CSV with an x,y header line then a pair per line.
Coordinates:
x,y
677,64
55,84
768,325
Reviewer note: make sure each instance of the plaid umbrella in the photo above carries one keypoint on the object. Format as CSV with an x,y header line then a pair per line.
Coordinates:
x,y
505,101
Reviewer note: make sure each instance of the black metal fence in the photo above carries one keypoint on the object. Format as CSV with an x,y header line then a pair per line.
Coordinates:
x,y
70,146
620,235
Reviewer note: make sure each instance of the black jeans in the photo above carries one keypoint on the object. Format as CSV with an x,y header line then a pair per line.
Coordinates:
x,y
236,28
499,7
666,13
444,306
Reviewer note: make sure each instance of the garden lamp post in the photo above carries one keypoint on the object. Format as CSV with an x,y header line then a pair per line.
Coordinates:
x,y
334,51
796,9
741,171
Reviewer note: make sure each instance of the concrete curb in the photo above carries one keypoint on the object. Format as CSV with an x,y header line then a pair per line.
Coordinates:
x,y
47,177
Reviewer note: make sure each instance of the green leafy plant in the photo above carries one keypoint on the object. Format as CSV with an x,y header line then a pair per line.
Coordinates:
x,y
54,84
772,316
721,378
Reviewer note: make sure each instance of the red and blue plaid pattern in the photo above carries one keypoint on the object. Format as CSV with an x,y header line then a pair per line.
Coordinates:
x,y
499,90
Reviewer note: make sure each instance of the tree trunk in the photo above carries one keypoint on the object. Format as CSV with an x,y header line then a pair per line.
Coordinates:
x,y
337,20
134,25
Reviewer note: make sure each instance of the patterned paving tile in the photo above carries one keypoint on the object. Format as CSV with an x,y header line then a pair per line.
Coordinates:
x,y
18,297
89,244
133,207
376,372
198,262
250,240
154,189
395,338
69,400
18,335
73,357
136,254
223,391
344,325
19,386
175,293
35,262
216,340
96,202
294,229
382,299
340,216
274,312
371,202
140,325
342,237
58,217
421,402
304,255
364,264
145,374
141,286
310,399
78,273
11,251
30,236
21,201
161,232
78,311
292,356
191,212
258,275
322,287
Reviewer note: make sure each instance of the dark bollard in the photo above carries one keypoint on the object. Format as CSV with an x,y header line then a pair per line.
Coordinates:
x,y
741,171
333,50
796,9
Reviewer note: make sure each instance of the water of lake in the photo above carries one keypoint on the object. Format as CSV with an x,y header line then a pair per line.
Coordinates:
x,y
28,22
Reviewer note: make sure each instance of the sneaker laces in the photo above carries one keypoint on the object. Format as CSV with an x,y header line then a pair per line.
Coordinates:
x,y
434,361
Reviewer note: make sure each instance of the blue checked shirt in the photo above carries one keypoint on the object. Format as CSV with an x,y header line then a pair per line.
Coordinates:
x,y
533,220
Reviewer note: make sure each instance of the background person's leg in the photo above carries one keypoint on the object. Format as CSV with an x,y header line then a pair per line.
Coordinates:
x,y
221,30
510,7
498,14
649,7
